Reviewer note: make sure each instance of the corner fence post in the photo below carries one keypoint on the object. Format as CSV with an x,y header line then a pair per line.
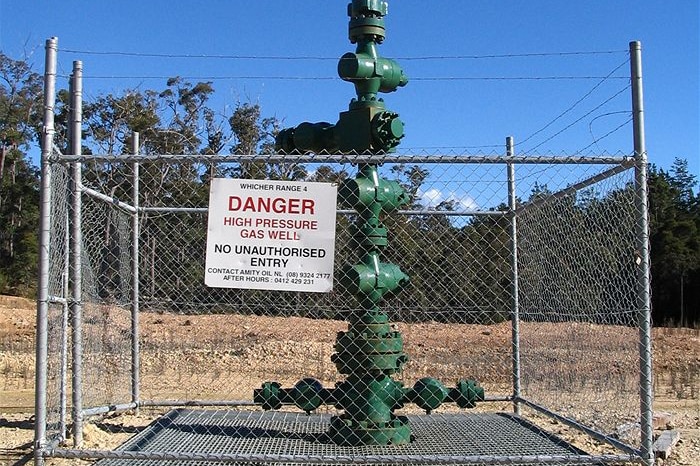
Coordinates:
x,y
65,328
643,278
515,303
42,308
135,361
76,252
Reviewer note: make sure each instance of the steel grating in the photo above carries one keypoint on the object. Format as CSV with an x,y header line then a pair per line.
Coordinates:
x,y
192,433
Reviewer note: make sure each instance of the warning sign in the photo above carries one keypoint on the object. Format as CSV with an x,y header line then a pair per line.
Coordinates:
x,y
271,235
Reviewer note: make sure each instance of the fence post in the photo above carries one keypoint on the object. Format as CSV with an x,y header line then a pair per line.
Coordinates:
x,y
42,335
65,326
643,285
65,317
515,309
76,251
135,361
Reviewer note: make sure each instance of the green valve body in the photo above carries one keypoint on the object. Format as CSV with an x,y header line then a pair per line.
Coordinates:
x,y
371,350
366,126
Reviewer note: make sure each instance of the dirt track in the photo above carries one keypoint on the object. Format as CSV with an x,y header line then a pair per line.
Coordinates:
x,y
227,344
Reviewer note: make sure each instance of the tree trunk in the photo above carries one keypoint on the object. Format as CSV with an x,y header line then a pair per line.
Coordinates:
x,y
2,162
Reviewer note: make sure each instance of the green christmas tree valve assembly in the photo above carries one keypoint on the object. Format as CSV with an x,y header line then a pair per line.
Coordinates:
x,y
370,351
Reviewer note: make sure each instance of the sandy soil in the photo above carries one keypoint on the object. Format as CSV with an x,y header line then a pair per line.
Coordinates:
x,y
284,349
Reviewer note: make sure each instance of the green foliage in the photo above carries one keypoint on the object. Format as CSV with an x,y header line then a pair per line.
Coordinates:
x,y
674,210
438,252
20,113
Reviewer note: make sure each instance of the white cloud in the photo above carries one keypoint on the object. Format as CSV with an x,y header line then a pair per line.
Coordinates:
x,y
432,197
466,203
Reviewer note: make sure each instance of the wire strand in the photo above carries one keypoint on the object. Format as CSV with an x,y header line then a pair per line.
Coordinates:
x,y
513,78
311,57
333,78
595,142
579,119
602,115
609,76
484,146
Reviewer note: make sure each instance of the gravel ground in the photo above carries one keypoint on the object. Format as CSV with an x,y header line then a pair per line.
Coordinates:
x,y
285,349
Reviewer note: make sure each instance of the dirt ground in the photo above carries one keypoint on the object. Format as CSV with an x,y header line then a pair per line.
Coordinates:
x,y
227,344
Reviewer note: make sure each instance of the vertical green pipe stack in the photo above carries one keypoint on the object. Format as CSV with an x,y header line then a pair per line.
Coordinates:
x,y
370,351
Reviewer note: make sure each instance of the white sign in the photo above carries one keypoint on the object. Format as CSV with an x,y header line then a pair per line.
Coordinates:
x,y
271,235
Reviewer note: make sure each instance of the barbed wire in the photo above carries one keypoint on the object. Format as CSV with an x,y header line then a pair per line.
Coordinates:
x,y
312,57
579,119
333,78
584,97
601,79
595,142
512,78
483,146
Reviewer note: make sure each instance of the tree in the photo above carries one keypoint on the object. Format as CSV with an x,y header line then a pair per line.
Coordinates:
x,y
684,183
20,114
675,244
256,135
176,120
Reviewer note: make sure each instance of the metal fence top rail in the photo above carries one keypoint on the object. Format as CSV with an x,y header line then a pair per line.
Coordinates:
x,y
626,160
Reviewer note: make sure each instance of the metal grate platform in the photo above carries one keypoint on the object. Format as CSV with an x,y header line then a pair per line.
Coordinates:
x,y
198,436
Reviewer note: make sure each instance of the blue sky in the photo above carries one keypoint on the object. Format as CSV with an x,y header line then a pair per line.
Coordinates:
x,y
457,115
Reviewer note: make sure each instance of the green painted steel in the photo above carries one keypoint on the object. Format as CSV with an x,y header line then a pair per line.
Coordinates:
x,y
308,394
370,351
366,126
466,394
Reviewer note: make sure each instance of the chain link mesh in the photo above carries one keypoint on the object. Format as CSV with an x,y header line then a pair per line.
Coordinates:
x,y
578,336
58,335
577,269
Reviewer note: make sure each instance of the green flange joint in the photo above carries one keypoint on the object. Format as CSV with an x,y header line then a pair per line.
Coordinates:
x,y
370,351
367,191
373,280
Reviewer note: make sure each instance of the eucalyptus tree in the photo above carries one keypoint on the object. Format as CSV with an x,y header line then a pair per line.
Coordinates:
x,y
20,117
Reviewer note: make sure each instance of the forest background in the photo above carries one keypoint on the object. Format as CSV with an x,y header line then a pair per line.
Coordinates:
x,y
177,119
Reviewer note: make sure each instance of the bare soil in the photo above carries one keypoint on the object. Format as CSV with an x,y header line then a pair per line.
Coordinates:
x,y
286,348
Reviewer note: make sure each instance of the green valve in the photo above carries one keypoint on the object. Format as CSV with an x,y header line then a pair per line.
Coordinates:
x,y
369,191
308,394
467,393
370,74
369,398
366,126
428,393
370,351
373,279
269,396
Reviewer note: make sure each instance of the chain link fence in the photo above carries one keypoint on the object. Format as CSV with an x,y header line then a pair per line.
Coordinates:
x,y
523,277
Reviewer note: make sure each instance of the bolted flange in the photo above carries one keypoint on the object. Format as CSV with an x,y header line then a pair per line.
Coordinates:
x,y
387,129
366,20
348,432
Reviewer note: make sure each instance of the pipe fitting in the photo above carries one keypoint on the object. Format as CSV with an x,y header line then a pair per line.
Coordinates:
x,y
373,279
366,20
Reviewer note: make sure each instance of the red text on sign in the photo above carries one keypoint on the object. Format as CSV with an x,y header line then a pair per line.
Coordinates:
x,y
278,205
